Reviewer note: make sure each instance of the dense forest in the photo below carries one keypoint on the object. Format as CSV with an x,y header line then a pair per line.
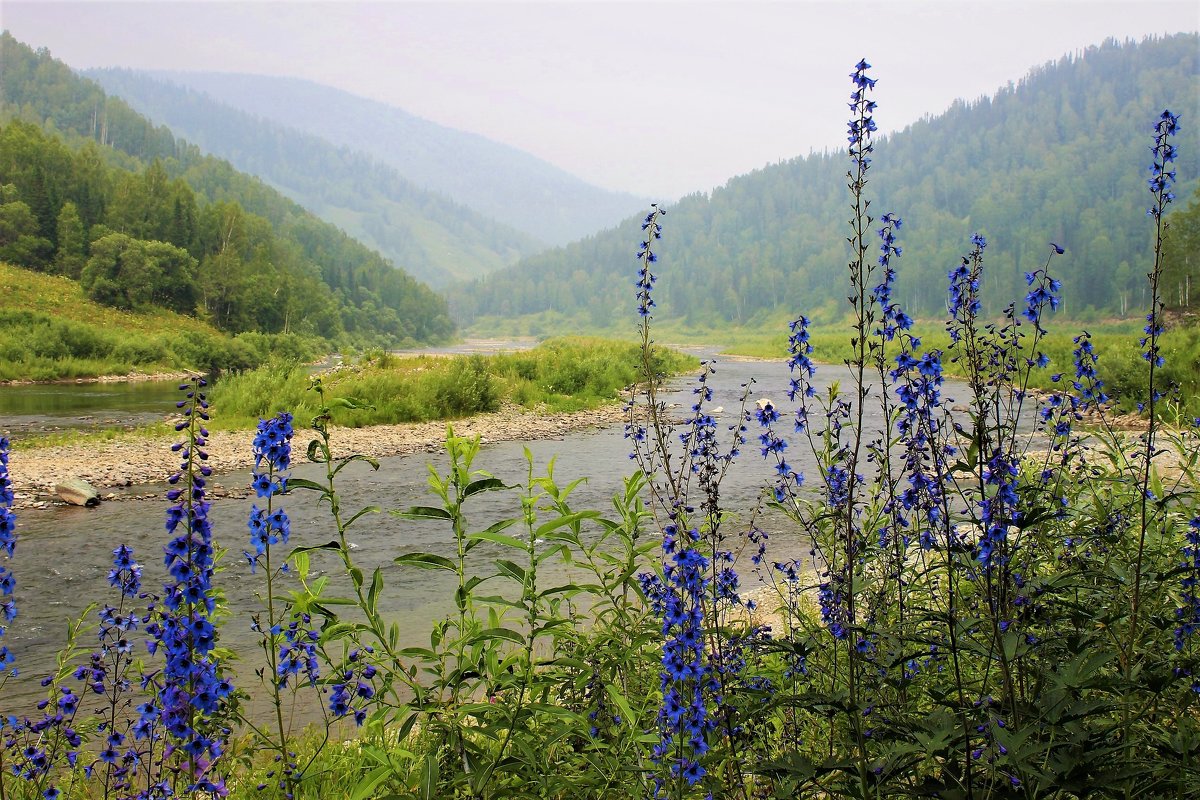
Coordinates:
x,y
499,181
94,191
436,239
1045,159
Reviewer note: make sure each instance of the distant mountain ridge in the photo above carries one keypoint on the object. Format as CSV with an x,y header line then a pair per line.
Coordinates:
x,y
426,233
502,182
1059,156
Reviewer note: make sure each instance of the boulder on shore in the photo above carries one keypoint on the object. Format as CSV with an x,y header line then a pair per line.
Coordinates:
x,y
78,492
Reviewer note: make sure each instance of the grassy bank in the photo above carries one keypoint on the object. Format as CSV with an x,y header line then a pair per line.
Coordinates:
x,y
50,331
1121,366
565,374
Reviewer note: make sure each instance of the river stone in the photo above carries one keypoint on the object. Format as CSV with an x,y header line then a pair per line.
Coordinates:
x,y
78,492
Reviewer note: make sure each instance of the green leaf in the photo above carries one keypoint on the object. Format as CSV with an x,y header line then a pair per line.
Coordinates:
x,y
511,570
373,590
302,483
498,633
330,545
426,561
429,778
369,783
349,403
499,538
566,587
615,695
566,519
359,513
425,512
483,485
299,559
356,457
474,581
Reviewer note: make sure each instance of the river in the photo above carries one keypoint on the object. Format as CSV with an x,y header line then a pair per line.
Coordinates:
x,y
64,553
47,407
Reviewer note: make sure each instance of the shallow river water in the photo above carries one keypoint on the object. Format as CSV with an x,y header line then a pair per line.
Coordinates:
x,y
64,553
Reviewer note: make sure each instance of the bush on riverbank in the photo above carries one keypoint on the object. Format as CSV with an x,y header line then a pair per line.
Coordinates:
x,y
566,374
50,331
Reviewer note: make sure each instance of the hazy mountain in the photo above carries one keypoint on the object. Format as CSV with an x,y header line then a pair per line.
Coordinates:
x,y
1060,156
497,180
434,238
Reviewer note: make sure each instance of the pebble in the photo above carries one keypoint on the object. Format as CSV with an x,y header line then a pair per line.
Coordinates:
x,y
135,462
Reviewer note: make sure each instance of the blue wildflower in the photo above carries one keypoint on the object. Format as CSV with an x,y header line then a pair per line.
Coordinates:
x,y
8,545
193,688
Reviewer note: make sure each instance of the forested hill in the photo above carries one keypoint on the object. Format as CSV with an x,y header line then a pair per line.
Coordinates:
x,y
436,239
93,190
499,181
1060,156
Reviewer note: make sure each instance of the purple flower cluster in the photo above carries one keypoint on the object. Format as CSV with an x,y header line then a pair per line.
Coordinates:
x,y
8,546
651,230
894,318
861,124
298,653
356,687
1162,175
39,747
1087,381
1162,179
999,509
964,288
193,687
272,457
127,744
773,445
1043,292
919,428
799,360
686,677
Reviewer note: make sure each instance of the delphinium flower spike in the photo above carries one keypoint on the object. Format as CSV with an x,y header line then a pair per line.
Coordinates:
x,y
193,687
289,644
8,545
1161,182
637,428
107,674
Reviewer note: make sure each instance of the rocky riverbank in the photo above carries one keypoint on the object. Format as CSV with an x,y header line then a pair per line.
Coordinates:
x,y
119,464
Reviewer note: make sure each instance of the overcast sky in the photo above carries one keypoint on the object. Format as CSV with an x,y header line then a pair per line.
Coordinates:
x,y
660,98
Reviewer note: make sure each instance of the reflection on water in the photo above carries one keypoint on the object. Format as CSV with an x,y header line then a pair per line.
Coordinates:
x,y
42,407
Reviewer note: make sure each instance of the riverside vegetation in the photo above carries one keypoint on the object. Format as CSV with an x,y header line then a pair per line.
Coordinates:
x,y
982,613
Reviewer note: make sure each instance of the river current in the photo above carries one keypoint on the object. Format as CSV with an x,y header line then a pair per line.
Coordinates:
x,y
64,553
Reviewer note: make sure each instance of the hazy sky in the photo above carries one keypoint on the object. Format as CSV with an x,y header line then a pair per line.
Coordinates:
x,y
658,98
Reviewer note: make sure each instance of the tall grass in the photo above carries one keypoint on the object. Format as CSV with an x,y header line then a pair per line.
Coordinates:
x,y
565,374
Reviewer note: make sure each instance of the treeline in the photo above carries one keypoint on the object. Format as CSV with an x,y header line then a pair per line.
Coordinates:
x,y
1044,159
94,191
436,239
